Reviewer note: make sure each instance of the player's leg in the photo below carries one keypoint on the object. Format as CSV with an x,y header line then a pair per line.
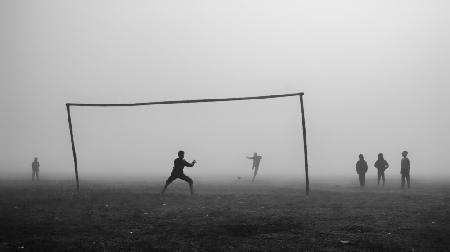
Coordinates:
x,y
189,181
403,181
255,173
168,181
382,176
37,175
379,177
408,180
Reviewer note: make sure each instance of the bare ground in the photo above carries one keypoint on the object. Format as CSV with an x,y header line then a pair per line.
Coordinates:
x,y
51,216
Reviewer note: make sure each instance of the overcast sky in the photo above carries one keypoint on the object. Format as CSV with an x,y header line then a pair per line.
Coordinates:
x,y
375,75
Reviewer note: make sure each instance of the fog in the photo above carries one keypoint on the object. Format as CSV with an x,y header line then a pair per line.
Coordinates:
x,y
375,76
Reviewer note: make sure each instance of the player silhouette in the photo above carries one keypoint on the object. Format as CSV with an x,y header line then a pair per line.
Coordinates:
x,y
35,169
255,165
405,167
381,164
177,172
361,169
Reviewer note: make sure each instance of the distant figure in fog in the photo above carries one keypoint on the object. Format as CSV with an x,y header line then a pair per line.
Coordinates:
x,y
381,165
361,169
255,165
404,171
177,172
35,169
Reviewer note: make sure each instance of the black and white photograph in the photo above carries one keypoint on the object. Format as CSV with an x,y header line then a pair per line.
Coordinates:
x,y
239,125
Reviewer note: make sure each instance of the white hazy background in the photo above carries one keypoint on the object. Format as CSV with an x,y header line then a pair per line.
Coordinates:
x,y
375,75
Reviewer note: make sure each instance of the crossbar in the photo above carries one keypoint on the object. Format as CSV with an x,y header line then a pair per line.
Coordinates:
x,y
179,101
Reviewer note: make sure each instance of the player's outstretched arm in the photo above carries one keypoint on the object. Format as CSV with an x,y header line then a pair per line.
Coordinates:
x,y
186,163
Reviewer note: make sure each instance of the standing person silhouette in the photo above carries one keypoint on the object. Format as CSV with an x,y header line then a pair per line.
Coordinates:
x,y
177,172
405,167
381,165
35,169
255,165
361,169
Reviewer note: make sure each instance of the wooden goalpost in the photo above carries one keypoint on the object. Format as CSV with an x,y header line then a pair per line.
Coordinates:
x,y
69,119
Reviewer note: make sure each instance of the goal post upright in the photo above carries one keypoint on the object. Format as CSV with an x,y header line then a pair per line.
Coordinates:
x,y
69,119
305,149
74,153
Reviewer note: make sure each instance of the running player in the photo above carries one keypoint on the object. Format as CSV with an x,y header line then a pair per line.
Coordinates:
x,y
255,165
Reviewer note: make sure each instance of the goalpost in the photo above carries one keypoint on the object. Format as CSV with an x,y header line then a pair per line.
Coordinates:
x,y
69,119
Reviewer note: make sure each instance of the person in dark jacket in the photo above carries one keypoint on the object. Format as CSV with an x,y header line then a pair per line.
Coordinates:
x,y
361,169
381,165
177,172
404,170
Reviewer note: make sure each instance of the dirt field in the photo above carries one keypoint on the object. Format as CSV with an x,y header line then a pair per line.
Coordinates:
x,y
238,216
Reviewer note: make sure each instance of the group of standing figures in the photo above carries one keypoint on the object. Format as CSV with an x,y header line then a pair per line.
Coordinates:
x,y
381,164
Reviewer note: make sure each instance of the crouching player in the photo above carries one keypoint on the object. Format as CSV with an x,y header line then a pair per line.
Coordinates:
x,y
177,172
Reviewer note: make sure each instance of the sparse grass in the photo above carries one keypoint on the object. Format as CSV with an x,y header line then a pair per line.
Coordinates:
x,y
51,216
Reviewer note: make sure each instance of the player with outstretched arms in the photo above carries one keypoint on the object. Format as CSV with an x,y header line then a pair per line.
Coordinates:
x,y
255,166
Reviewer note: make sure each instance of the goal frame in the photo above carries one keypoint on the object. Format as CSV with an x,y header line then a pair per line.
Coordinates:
x,y
300,95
